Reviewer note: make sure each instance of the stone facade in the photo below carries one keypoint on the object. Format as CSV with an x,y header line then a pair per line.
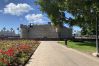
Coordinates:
x,y
44,31
7,33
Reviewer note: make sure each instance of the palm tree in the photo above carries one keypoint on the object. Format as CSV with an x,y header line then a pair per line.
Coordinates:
x,y
11,29
18,30
4,29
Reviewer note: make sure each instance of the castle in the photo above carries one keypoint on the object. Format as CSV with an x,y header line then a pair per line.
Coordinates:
x,y
44,31
7,33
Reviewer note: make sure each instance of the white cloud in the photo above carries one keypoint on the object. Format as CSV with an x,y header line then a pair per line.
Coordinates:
x,y
17,9
36,18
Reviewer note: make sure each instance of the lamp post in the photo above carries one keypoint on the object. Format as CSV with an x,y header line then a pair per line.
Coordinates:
x,y
97,42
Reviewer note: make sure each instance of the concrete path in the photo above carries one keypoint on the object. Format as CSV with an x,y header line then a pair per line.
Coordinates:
x,y
50,53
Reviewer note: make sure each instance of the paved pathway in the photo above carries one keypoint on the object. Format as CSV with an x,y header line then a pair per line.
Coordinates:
x,y
50,53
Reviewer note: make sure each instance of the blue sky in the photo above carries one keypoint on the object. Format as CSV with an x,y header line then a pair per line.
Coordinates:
x,y
16,12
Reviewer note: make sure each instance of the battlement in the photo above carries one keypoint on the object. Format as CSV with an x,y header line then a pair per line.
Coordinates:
x,y
23,26
32,25
46,30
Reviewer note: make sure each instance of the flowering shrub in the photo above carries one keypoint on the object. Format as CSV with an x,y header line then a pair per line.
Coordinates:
x,y
9,52
1,51
5,61
24,48
16,52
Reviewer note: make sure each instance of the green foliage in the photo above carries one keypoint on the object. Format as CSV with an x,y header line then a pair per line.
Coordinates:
x,y
52,8
83,11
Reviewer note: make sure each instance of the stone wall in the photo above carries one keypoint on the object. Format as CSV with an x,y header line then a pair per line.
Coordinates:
x,y
7,33
44,31
65,32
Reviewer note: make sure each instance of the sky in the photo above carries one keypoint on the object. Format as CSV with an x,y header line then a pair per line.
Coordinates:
x,y
16,12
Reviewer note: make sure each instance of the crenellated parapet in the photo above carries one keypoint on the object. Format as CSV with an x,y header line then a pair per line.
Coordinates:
x,y
44,31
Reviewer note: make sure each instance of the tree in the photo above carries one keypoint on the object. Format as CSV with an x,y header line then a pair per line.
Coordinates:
x,y
11,29
53,10
83,11
18,30
4,29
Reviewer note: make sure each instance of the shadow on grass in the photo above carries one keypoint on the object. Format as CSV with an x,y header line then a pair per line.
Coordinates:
x,y
86,43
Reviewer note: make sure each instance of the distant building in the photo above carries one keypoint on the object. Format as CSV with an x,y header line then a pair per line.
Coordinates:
x,y
7,33
44,31
78,33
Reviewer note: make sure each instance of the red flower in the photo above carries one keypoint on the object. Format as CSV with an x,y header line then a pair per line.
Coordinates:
x,y
1,51
10,52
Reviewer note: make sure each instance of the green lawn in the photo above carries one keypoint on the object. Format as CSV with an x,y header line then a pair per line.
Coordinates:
x,y
88,47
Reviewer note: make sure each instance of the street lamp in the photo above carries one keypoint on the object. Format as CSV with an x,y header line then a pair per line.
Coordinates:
x,y
97,42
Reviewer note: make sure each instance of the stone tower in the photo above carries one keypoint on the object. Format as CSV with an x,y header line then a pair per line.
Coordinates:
x,y
24,31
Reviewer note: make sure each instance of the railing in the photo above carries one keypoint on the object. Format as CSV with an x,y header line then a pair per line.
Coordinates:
x,y
77,38
86,37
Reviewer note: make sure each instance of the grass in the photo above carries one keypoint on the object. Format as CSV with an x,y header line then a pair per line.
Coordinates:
x,y
87,47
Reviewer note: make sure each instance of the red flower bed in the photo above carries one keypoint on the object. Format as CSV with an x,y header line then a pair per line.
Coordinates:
x,y
13,56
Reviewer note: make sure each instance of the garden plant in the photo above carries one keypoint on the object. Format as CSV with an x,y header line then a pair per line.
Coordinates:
x,y
16,52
